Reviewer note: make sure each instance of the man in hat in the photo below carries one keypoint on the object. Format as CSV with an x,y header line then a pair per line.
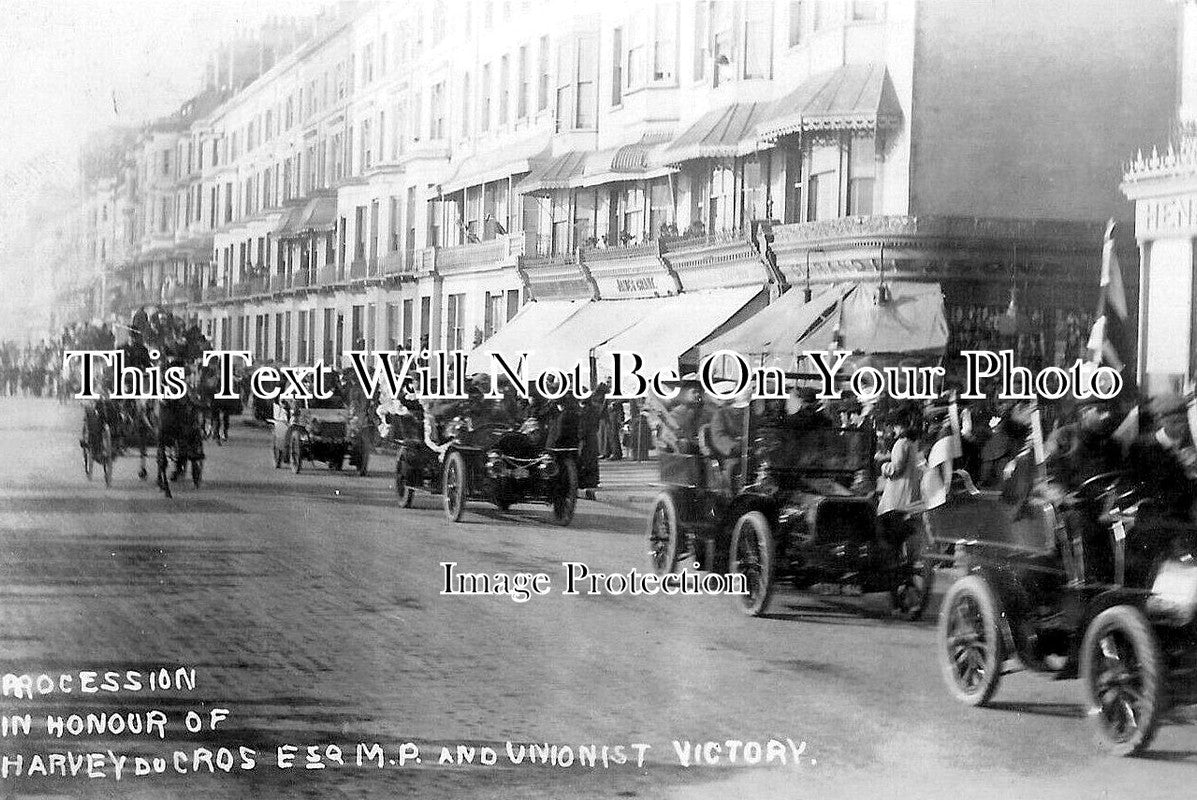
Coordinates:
x,y
1086,447
685,416
727,431
1163,460
803,412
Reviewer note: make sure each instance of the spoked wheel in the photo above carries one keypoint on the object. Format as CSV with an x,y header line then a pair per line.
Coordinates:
x,y
566,500
912,592
663,545
752,552
971,650
296,453
107,453
405,492
197,471
454,487
1121,668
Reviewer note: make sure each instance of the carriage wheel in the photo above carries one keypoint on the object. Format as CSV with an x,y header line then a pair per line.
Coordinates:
x,y
108,453
664,546
752,555
454,484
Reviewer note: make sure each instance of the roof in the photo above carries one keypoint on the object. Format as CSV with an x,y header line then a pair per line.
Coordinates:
x,y
851,97
320,214
721,133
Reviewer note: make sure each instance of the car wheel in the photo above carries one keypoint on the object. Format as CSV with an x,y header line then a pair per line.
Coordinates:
x,y
296,453
454,486
1121,670
565,502
752,555
405,492
663,544
971,650
912,592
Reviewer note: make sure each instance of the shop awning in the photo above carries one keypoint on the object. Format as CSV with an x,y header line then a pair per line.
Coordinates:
x,y
531,323
722,133
597,322
910,322
288,221
852,97
640,160
770,338
556,172
671,332
495,164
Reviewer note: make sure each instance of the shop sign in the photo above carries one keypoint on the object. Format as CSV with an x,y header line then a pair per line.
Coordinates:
x,y
1177,214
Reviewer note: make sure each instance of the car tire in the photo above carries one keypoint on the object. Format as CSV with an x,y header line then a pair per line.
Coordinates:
x,y
664,545
969,638
296,452
1122,671
565,502
752,554
454,486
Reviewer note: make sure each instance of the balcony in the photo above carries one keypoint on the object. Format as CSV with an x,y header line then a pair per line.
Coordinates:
x,y
423,259
357,270
213,292
259,284
327,275
300,279
492,251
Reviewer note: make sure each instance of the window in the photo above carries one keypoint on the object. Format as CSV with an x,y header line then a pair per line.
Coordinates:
x,y
484,111
392,326
796,23
374,232
359,233
417,116
166,161
701,28
382,135
722,38
465,105
565,84
587,82
342,233
522,99
367,145
338,156
289,116
504,88
437,109
368,64
758,39
637,52
665,45
393,246
822,193
542,90
438,21
862,169
455,322
382,54
866,10
494,314
408,310
513,303
488,15
617,66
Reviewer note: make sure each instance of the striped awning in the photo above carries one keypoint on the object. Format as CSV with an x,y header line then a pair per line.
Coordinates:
x,y
721,133
852,97
557,172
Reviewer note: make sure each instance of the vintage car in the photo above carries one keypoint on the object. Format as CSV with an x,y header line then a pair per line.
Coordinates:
x,y
493,461
319,430
1092,584
805,511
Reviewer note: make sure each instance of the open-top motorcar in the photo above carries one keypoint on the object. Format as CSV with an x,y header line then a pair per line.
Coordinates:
x,y
1094,584
796,504
493,461
309,430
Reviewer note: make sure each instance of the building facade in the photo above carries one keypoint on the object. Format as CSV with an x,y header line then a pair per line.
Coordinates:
x,y
412,174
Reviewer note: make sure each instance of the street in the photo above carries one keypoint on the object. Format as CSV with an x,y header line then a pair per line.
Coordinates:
x,y
309,607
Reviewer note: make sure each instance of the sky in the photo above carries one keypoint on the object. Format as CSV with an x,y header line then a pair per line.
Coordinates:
x,y
72,67
69,67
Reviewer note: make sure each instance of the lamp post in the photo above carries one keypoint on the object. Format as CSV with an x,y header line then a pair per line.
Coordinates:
x,y
807,293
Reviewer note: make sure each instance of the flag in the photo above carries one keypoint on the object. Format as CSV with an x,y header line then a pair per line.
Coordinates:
x,y
937,478
1107,340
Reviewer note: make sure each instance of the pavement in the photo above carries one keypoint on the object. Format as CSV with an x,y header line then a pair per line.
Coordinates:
x,y
310,607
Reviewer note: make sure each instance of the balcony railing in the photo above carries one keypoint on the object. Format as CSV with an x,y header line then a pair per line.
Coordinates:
x,y
327,275
214,292
423,259
300,279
